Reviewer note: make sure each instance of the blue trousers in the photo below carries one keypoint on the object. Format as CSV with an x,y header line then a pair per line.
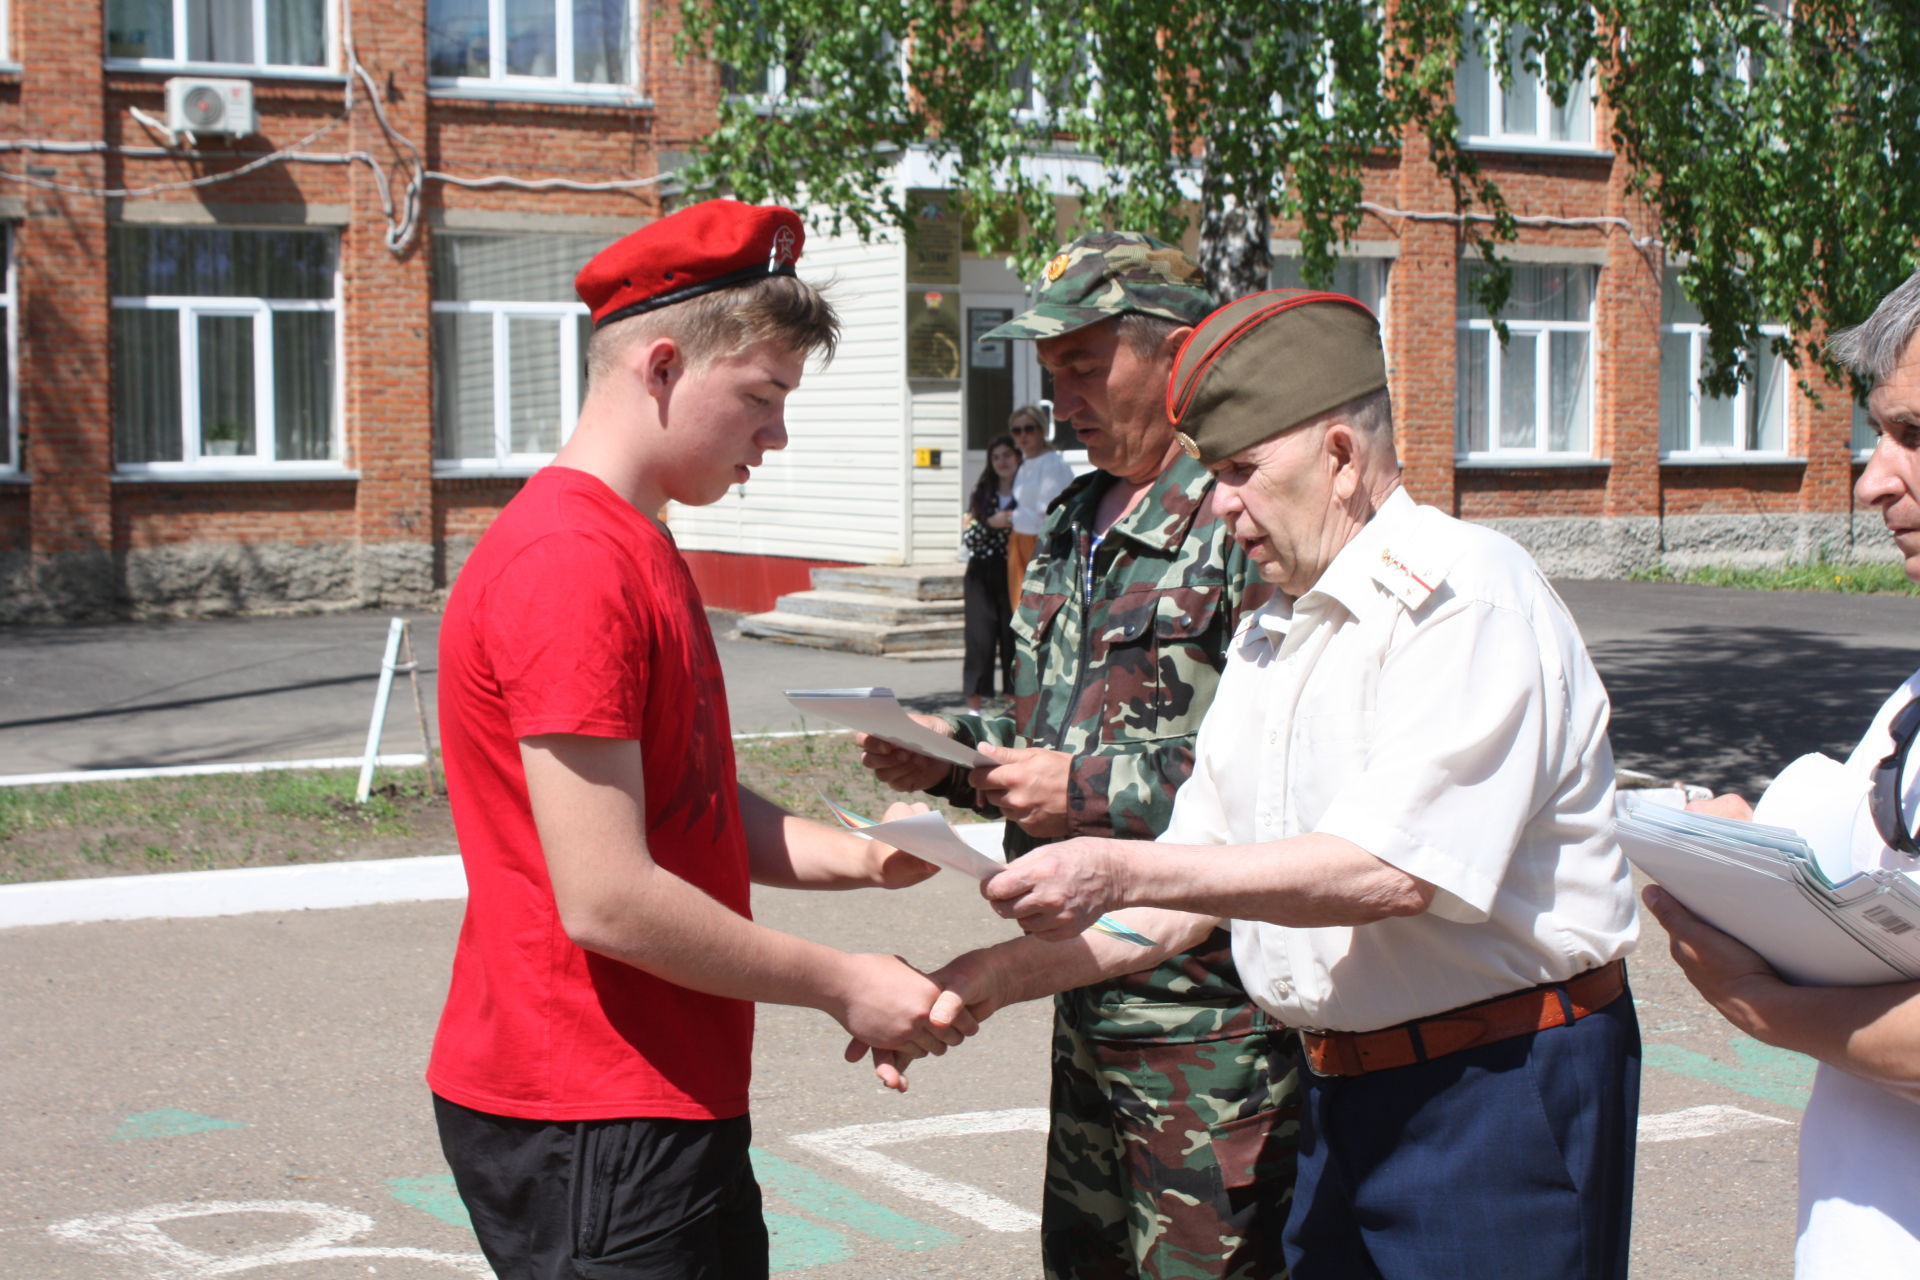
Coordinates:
x,y
1512,1160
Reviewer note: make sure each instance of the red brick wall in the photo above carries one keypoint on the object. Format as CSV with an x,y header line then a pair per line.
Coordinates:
x,y
72,511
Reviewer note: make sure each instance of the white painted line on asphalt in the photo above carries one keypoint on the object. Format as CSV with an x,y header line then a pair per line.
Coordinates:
x,y
140,1239
853,1145
197,770
307,886
1703,1122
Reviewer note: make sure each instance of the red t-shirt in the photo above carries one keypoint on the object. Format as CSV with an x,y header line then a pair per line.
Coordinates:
x,y
575,614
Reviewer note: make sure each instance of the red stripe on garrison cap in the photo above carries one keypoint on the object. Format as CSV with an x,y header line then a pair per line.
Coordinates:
x,y
1286,300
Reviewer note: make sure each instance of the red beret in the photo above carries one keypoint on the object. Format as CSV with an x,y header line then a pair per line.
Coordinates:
x,y
715,244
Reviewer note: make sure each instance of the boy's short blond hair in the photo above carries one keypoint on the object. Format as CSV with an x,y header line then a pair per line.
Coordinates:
x,y
713,326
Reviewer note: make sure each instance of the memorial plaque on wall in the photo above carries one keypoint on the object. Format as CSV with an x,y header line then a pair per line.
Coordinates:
x,y
933,334
933,245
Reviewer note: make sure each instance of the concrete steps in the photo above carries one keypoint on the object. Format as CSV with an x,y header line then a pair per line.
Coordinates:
x,y
910,611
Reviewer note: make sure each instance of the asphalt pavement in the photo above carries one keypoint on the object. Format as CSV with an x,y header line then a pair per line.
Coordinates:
x,y
191,1098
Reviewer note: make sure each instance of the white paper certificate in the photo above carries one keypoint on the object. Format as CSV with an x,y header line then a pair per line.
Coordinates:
x,y
878,712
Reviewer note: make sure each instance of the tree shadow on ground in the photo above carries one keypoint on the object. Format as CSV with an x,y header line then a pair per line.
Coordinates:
x,y
1728,708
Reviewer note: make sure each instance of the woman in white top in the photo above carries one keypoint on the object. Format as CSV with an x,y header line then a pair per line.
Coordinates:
x,y
1860,1141
1043,474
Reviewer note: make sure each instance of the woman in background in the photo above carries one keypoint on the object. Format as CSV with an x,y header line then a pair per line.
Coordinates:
x,y
1043,474
989,613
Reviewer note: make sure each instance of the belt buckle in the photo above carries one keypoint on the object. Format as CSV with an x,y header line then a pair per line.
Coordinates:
x,y
1306,1054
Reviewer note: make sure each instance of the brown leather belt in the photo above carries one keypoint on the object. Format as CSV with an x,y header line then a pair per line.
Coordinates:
x,y
1355,1053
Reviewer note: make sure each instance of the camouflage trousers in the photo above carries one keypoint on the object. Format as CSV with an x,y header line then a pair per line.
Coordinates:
x,y
1171,1159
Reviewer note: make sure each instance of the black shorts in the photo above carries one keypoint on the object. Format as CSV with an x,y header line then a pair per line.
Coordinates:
x,y
643,1199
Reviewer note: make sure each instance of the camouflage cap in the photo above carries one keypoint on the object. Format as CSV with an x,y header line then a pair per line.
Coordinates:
x,y
1107,274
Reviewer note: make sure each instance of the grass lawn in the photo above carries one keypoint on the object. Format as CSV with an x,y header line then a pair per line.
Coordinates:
x,y
270,819
1851,579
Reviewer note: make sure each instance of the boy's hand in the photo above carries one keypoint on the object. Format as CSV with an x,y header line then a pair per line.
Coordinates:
x,y
899,768
896,868
968,994
885,1002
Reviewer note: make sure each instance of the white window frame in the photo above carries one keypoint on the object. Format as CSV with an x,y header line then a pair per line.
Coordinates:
x,y
1357,252
189,308
1498,135
571,359
330,68
1497,355
1861,429
6,33
1696,335
497,79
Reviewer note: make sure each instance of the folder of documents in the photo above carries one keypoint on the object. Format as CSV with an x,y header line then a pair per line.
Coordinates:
x,y
1766,886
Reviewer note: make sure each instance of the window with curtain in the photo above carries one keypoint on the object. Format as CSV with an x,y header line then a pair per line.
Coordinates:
x,y
572,42
1863,437
1751,421
244,33
509,346
1362,278
1518,109
225,348
1534,395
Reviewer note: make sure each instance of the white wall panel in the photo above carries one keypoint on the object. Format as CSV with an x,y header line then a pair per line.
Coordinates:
x,y
838,490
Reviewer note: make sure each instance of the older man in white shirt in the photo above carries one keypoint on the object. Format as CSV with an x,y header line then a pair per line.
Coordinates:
x,y
1408,755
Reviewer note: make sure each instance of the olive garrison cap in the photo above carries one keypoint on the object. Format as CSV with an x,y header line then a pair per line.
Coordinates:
x,y
1106,274
1268,362
705,247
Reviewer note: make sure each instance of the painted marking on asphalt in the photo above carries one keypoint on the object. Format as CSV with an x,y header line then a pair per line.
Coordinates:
x,y
853,1147
169,1123
138,1238
1764,1072
794,1244
824,1198
434,1195
1704,1122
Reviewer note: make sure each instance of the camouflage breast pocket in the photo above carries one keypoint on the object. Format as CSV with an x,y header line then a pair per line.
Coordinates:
x,y
1160,653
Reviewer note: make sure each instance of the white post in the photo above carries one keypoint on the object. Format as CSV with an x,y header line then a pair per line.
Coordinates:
x,y
394,631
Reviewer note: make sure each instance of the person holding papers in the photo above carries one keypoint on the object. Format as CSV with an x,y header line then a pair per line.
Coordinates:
x,y
1860,1139
591,1066
1170,1147
1402,799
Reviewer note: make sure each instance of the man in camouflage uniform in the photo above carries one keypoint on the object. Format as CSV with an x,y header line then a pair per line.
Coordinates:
x,y
1171,1149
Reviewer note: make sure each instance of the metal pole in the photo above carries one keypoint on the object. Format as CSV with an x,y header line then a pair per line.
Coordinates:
x,y
394,631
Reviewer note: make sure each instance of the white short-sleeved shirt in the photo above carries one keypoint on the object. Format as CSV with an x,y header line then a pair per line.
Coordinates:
x,y
1038,482
1430,700
1859,1143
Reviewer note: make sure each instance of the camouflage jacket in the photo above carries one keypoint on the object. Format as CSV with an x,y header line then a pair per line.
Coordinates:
x,y
1117,667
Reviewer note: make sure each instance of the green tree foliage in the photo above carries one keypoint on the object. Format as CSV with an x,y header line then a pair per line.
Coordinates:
x,y
1771,152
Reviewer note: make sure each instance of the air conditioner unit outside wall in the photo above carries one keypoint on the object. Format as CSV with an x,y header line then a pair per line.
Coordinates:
x,y
210,107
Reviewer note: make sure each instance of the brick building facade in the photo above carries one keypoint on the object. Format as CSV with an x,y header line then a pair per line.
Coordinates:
x,y
312,384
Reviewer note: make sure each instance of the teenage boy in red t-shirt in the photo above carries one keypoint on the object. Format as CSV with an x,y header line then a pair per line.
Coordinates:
x,y
590,1071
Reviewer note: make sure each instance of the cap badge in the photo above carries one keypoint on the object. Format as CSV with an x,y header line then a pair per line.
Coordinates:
x,y
1058,267
1185,441
782,254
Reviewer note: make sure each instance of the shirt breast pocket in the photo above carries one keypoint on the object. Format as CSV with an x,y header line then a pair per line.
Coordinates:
x,y
1159,657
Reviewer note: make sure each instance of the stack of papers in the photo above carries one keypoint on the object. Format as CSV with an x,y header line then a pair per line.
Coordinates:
x,y
1766,886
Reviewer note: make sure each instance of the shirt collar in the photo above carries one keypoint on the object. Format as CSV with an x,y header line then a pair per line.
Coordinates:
x,y
1366,574
1166,513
